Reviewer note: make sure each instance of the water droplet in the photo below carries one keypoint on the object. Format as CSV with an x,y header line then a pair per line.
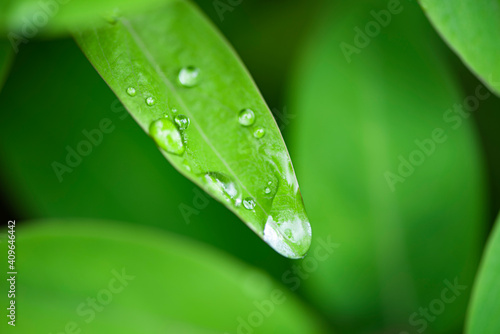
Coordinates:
x,y
174,110
182,122
131,91
259,133
249,203
223,185
289,234
150,101
167,136
112,16
246,117
186,165
271,188
189,76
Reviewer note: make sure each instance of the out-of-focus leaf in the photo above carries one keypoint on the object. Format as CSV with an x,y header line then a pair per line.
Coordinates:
x,y
391,171
275,26
6,55
484,307
123,178
229,144
101,277
21,20
471,28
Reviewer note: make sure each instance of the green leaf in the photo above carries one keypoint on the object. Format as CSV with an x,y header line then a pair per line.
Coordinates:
x,y
391,171
484,307
103,277
6,56
123,178
471,28
163,71
22,20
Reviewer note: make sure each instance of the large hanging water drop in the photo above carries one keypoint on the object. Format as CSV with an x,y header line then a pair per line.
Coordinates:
x,y
167,136
246,117
189,76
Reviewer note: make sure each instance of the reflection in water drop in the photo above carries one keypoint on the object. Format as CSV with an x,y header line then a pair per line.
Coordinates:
x,y
166,136
150,101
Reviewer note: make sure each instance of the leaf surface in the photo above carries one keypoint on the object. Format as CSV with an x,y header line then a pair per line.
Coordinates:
x,y
189,91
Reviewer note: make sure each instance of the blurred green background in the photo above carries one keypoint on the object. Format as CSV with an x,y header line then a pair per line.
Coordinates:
x,y
379,255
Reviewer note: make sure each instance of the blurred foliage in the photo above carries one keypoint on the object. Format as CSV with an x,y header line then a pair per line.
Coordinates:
x,y
406,234
267,36
22,20
6,56
471,29
485,305
100,277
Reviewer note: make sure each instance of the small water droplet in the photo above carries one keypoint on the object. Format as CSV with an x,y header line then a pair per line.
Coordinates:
x,y
186,165
189,76
271,188
150,101
246,117
167,136
174,110
249,203
182,122
131,91
259,133
223,185
112,16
